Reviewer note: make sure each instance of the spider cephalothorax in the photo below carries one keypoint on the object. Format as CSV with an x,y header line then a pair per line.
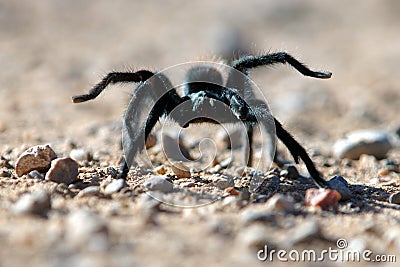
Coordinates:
x,y
204,85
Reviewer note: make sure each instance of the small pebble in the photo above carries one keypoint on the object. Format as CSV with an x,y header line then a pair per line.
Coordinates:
x,y
158,183
304,233
339,184
160,170
115,186
324,198
222,181
63,170
180,170
279,202
87,230
254,237
79,154
244,194
89,191
187,184
290,171
151,141
251,216
383,172
226,162
35,158
112,171
232,191
36,175
394,198
360,142
37,203
5,173
215,169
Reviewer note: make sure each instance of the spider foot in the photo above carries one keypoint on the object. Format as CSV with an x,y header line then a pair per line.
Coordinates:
x,y
81,98
323,74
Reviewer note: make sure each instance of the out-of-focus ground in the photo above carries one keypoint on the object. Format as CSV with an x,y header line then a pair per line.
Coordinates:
x,y
52,50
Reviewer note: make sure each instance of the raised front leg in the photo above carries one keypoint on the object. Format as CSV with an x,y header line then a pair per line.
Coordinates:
x,y
111,78
250,62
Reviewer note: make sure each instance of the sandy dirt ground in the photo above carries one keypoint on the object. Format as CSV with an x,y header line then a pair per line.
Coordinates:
x,y
53,49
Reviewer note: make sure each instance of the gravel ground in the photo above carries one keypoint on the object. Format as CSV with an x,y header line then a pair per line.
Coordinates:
x,y
52,50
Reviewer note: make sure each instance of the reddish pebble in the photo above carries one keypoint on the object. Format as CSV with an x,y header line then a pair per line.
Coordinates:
x,y
180,170
324,198
151,141
231,191
63,170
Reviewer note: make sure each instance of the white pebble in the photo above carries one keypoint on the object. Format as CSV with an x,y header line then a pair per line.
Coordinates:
x,y
86,229
360,142
79,154
37,202
115,186
158,183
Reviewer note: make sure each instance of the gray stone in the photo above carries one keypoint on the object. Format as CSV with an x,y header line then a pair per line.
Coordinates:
x,y
251,216
222,181
35,158
339,184
37,203
280,202
226,162
290,171
255,236
158,183
89,191
115,186
395,198
303,233
63,170
87,230
36,175
368,142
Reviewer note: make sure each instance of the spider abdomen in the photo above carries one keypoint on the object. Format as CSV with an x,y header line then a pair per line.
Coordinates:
x,y
201,78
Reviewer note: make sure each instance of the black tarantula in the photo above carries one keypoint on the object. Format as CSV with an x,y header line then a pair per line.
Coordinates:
x,y
206,83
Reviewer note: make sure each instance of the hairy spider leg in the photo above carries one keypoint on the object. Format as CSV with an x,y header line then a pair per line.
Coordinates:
x,y
240,82
298,151
248,62
111,78
129,77
245,63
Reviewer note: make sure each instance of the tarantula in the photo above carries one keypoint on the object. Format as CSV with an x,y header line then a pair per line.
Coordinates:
x,y
196,105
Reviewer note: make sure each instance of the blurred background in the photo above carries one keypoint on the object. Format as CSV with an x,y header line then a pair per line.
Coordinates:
x,y
53,49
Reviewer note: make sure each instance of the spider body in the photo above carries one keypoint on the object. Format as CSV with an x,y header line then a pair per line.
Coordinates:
x,y
206,98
